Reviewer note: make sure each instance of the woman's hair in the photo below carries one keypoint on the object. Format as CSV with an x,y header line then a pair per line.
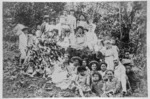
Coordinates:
x,y
79,27
81,69
97,73
108,71
104,63
83,16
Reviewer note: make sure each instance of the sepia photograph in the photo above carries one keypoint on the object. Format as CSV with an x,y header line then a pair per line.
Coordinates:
x,y
74,49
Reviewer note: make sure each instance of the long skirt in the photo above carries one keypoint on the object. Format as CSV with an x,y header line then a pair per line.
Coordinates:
x,y
110,62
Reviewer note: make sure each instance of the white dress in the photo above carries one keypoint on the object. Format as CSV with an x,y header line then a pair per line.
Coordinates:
x,y
93,27
91,40
80,42
38,33
64,22
65,43
59,77
72,21
110,54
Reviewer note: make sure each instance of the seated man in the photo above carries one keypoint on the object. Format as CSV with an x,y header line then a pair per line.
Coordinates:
x,y
132,77
120,74
127,59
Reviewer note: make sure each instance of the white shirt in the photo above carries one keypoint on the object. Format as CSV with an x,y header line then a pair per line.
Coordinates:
x,y
38,33
91,37
64,19
102,73
45,27
72,21
119,71
22,41
83,24
51,27
92,26
58,27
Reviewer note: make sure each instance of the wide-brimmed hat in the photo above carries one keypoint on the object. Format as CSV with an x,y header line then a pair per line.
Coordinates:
x,y
86,29
76,57
80,28
128,64
46,16
107,42
93,62
25,28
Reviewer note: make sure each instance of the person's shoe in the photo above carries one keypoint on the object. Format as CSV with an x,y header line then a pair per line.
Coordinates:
x,y
124,94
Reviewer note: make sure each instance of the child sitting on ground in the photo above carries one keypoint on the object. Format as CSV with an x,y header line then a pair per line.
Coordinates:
x,y
97,84
82,82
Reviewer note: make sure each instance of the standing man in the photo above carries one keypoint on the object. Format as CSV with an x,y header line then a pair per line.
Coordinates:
x,y
58,26
45,24
64,21
23,42
72,20
18,30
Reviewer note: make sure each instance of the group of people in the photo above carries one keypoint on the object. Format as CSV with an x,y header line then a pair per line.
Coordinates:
x,y
67,52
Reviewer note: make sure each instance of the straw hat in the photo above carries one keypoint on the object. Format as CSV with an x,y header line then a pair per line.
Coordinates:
x,y
76,57
94,62
25,28
46,16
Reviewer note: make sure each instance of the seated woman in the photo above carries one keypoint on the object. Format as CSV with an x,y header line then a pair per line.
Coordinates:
x,y
85,64
79,40
77,61
103,68
64,41
111,84
82,82
97,84
82,21
94,66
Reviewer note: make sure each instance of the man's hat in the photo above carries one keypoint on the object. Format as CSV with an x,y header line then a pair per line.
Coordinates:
x,y
76,57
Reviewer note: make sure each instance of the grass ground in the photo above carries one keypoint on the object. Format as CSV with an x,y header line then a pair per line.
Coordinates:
x,y
19,86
